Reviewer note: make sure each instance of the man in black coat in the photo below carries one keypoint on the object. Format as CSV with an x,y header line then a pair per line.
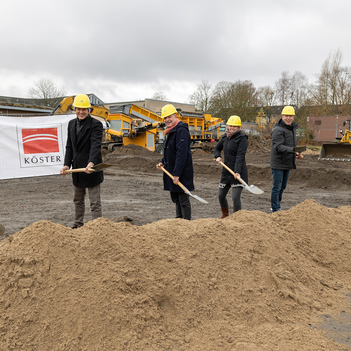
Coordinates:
x,y
83,150
177,160
282,154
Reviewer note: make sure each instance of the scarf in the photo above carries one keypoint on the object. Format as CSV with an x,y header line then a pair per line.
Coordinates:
x,y
230,134
168,129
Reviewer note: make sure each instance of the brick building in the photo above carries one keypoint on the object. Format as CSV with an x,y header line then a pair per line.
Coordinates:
x,y
327,128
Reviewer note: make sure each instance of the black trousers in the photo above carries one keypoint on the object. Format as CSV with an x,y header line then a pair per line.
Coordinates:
x,y
183,207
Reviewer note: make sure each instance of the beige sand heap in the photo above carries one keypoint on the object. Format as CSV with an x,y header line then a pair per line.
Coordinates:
x,y
252,281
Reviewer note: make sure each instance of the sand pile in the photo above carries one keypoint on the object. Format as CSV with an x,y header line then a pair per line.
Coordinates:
x,y
253,281
132,149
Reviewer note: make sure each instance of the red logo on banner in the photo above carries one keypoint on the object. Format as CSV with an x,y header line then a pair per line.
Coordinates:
x,y
40,140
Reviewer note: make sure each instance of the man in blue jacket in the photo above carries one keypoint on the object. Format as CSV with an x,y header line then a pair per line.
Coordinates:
x,y
83,150
282,154
177,160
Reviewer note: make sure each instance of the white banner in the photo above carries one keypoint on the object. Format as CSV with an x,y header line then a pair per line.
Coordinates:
x,y
32,146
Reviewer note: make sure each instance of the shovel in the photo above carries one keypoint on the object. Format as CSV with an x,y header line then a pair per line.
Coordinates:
x,y
95,168
299,148
184,188
252,188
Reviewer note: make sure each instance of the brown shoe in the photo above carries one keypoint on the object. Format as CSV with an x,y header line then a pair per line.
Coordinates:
x,y
225,212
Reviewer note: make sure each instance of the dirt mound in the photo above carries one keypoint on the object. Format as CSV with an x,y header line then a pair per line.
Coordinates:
x,y
132,149
257,144
253,281
200,152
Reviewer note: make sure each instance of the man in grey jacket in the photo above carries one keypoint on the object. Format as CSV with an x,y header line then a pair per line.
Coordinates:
x,y
282,154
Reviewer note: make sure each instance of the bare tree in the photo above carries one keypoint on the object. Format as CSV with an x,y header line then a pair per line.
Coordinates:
x,y
293,89
202,96
47,91
332,90
266,99
159,96
221,100
300,90
239,98
283,89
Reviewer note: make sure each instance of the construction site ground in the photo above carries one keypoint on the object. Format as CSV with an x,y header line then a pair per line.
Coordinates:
x,y
138,279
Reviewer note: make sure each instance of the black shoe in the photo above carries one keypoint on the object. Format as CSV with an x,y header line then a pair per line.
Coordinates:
x,y
75,226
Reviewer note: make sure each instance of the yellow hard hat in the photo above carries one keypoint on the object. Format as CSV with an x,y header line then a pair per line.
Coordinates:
x,y
288,110
234,121
81,101
168,110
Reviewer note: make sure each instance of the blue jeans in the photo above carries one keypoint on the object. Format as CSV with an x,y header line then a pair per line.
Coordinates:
x,y
280,180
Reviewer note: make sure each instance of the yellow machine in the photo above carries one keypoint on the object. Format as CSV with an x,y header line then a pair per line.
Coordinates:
x,y
132,124
340,150
202,127
66,106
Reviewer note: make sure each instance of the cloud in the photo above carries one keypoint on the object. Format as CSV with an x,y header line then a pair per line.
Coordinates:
x,y
122,50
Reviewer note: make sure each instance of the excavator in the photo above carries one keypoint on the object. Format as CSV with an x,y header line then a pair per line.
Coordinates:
x,y
341,149
66,106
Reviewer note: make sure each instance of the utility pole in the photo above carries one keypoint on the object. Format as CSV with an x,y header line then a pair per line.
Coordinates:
x,y
336,128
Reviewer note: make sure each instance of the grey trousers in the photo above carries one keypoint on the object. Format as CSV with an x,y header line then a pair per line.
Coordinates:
x,y
236,196
95,203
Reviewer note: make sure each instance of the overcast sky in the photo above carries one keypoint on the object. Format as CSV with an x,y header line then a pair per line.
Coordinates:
x,y
128,50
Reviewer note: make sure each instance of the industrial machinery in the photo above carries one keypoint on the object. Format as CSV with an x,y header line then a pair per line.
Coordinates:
x,y
202,127
131,124
66,106
341,149
120,127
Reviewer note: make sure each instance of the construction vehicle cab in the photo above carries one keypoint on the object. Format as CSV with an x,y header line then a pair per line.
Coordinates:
x,y
341,149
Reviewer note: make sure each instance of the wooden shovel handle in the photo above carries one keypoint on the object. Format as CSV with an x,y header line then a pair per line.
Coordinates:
x,y
76,170
179,183
231,171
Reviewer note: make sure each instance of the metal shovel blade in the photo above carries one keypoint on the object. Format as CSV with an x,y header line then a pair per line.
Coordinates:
x,y
196,197
252,188
299,148
199,198
184,188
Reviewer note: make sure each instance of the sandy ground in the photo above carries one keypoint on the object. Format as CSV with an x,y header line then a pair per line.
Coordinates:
x,y
290,289
134,190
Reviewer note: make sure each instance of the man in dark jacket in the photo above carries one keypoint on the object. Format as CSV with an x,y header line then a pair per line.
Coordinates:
x,y
83,150
282,154
177,160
